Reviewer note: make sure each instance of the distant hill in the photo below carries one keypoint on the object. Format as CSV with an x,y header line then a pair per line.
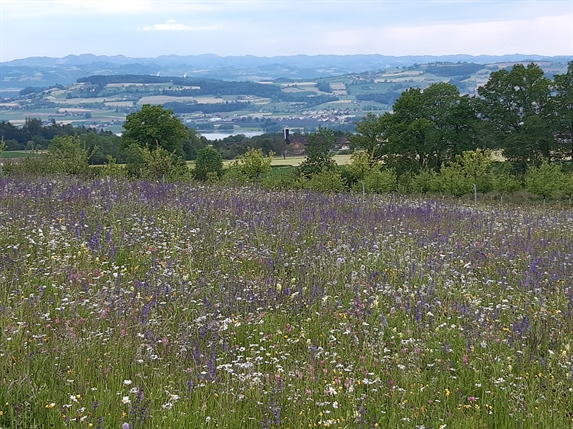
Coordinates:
x,y
47,71
211,93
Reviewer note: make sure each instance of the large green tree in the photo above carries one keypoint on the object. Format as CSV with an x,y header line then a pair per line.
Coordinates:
x,y
193,144
155,127
208,163
544,180
515,106
430,127
67,155
319,154
372,136
563,111
102,146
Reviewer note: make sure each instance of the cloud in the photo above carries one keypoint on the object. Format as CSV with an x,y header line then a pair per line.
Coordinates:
x,y
100,7
550,35
106,6
172,25
280,27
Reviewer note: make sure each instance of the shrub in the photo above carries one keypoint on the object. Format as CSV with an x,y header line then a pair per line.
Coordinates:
x,y
234,176
543,180
252,164
426,181
380,181
156,164
280,179
67,156
454,181
208,163
35,165
326,181
112,168
567,185
505,183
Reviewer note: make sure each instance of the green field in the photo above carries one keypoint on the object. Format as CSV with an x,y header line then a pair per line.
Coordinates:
x,y
292,161
15,154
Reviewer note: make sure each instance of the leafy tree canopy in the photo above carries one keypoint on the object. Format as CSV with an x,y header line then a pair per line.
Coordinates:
x,y
252,164
515,106
427,128
155,127
544,180
372,136
319,152
563,104
209,161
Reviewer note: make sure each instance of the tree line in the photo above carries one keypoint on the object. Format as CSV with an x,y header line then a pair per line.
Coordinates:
x,y
34,135
517,132
200,86
210,87
153,159
519,113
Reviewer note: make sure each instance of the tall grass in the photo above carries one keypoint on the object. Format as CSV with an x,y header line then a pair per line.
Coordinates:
x,y
144,305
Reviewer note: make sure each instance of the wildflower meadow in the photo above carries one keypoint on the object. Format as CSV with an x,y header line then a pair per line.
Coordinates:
x,y
132,304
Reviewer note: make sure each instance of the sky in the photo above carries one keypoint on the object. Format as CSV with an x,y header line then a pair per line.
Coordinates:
x,y
269,28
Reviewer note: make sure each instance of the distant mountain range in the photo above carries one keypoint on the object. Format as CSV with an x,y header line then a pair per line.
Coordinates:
x,y
47,71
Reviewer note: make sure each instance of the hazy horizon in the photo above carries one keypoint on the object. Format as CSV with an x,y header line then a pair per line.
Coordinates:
x,y
533,54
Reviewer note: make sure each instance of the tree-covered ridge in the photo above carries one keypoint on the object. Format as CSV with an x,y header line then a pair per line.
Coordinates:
x,y
449,70
189,86
345,98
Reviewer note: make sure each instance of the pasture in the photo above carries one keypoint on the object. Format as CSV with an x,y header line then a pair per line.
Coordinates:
x,y
297,160
289,161
12,154
300,87
146,305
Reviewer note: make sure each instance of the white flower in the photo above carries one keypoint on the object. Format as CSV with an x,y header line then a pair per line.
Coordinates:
x,y
126,400
335,404
127,382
